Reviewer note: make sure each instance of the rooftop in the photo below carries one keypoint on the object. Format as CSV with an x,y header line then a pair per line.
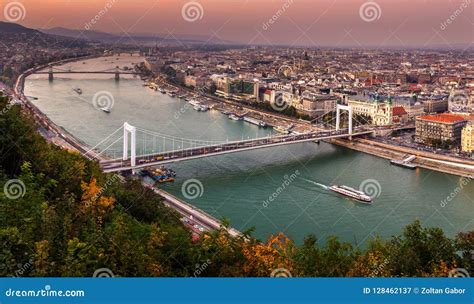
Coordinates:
x,y
399,111
443,118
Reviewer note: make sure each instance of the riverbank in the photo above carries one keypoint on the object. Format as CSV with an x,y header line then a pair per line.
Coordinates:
x,y
424,160
193,215
269,118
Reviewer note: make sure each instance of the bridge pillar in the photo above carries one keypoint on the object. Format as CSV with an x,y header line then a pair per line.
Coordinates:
x,y
338,117
50,74
117,73
127,128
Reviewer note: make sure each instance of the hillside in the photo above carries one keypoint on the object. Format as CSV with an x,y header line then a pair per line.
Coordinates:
x,y
6,27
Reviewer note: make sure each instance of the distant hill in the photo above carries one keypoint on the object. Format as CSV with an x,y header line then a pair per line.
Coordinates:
x,y
79,34
145,39
7,27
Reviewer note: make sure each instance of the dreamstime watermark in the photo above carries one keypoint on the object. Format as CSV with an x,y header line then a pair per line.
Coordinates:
x,y
464,182
280,103
110,181
465,4
103,100
108,5
14,11
286,5
200,268
287,181
14,189
7,107
24,268
459,101
103,273
281,273
370,11
458,273
202,90
192,11
181,111
284,71
46,292
380,268
371,187
192,189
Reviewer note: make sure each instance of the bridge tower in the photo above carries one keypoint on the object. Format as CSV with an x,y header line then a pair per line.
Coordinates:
x,y
338,117
117,73
50,73
127,128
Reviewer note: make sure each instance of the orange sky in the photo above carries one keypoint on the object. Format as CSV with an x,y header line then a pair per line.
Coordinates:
x,y
304,22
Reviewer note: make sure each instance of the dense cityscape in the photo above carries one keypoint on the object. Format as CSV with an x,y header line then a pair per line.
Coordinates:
x,y
410,87
133,155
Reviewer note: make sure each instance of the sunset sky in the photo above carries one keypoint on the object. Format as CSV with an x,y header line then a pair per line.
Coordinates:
x,y
302,22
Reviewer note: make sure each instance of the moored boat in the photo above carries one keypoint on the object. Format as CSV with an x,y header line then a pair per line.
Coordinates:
x,y
403,164
161,175
281,130
194,103
235,117
255,121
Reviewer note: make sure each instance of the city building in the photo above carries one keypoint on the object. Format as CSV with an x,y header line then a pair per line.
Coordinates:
x,y
194,81
442,129
381,113
413,107
467,138
237,88
436,105
399,115
315,105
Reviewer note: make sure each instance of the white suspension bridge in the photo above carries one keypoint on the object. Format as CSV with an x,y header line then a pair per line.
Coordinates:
x,y
156,149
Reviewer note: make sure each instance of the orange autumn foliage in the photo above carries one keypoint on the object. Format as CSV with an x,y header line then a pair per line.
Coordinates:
x,y
93,202
263,258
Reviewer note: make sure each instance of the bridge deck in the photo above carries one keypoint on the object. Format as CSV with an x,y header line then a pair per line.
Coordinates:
x,y
221,149
88,72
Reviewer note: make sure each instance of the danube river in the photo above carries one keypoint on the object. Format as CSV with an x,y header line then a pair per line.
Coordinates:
x,y
238,186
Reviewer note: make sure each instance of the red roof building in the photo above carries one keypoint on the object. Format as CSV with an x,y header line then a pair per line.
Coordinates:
x,y
443,118
399,111
399,115
442,129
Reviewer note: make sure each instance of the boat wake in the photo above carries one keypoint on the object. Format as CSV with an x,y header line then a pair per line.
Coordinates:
x,y
316,183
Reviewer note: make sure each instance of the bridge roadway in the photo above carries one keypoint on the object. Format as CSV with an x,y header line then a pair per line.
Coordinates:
x,y
117,165
89,72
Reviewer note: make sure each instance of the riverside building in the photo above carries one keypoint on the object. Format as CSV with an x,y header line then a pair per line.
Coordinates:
x,y
467,138
440,129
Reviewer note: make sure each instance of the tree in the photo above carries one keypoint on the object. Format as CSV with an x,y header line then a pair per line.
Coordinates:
x,y
418,251
263,258
93,203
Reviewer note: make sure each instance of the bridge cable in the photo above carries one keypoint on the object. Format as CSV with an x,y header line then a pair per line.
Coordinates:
x,y
104,140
